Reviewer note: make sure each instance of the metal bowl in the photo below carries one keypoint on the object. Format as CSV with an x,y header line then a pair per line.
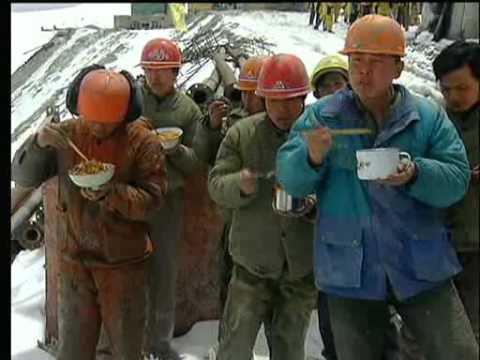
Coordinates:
x,y
170,143
93,181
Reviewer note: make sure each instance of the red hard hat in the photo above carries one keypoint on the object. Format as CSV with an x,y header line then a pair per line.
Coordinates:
x,y
283,76
161,54
104,97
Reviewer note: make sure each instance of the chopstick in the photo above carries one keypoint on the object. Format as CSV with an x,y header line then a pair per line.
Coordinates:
x,y
346,132
74,147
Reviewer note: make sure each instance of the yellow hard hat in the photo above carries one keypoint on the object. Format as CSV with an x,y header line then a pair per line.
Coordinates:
x,y
330,63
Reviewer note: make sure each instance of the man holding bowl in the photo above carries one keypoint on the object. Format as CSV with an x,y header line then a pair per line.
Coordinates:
x,y
169,111
102,230
381,241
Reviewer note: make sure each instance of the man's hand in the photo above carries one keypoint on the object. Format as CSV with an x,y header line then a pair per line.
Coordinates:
x,y
52,135
217,110
174,150
319,143
248,182
405,172
95,195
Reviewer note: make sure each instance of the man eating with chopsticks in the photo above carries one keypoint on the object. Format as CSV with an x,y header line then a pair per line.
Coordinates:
x,y
102,231
381,242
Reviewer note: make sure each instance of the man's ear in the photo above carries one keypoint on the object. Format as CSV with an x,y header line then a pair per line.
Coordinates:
x,y
399,65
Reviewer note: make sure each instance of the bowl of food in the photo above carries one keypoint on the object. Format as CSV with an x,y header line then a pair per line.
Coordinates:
x,y
169,136
91,174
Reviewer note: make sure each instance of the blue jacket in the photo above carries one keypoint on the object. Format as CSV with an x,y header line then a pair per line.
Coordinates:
x,y
366,232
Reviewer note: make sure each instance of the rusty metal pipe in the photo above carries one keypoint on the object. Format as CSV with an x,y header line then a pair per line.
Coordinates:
x,y
213,81
17,196
204,92
27,208
224,70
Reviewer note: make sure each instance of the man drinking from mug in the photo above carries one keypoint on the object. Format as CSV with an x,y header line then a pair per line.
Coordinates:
x,y
382,242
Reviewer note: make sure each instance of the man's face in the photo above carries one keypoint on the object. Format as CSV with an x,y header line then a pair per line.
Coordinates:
x,y
284,112
161,81
371,76
100,130
460,88
252,103
329,83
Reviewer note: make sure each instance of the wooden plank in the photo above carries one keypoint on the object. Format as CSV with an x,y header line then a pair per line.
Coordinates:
x,y
51,259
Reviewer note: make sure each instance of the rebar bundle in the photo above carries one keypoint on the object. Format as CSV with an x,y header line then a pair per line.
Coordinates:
x,y
213,37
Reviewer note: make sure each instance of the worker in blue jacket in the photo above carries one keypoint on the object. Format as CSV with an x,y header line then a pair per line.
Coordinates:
x,y
382,242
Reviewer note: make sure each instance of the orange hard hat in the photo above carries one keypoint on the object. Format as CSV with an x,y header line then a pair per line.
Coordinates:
x,y
104,97
283,76
161,54
247,80
375,34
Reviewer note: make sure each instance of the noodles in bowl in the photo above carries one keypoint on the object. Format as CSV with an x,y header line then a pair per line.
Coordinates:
x,y
91,174
169,136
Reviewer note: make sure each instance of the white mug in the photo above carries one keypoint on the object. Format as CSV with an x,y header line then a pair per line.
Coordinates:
x,y
379,163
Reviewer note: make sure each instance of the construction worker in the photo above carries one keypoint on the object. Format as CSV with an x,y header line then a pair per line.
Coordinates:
x,y
348,12
208,137
221,116
278,285
382,242
319,14
326,15
165,106
401,13
355,12
457,68
330,75
383,8
313,12
365,8
102,234
337,6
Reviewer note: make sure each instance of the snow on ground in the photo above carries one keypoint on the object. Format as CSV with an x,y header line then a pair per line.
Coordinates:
x,y
26,26
121,50
28,318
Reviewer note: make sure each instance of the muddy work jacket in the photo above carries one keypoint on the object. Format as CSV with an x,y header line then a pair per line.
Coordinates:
x,y
263,242
112,231
207,140
463,217
176,110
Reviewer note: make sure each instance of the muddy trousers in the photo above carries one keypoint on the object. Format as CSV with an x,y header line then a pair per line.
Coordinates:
x,y
251,300
435,317
225,266
467,284
88,296
166,228
392,337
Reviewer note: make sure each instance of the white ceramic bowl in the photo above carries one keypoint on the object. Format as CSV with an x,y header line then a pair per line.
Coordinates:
x,y
170,144
93,181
